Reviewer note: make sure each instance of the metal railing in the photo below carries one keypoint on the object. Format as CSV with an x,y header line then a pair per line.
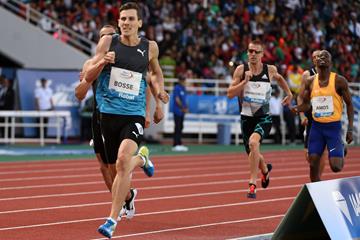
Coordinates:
x,y
63,33
217,87
10,124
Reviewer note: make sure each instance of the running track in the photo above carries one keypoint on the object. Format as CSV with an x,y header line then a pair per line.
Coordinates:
x,y
190,197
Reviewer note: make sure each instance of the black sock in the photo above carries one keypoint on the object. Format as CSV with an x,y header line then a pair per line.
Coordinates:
x,y
127,202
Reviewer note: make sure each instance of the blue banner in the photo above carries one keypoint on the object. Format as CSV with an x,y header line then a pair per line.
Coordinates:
x,y
63,84
338,204
209,104
9,73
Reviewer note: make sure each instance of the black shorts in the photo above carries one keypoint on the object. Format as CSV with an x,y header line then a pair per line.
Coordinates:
x,y
115,128
261,125
97,136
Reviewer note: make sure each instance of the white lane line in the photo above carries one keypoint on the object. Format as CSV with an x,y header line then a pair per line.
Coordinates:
x,y
9,179
147,199
161,158
50,177
50,164
51,185
76,162
172,186
265,236
190,166
195,226
156,213
53,195
178,196
50,170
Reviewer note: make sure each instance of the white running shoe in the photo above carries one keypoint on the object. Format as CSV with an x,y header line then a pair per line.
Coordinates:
x,y
130,205
180,148
121,213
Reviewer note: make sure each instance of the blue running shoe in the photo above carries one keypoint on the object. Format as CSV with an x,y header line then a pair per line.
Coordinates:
x,y
148,166
108,228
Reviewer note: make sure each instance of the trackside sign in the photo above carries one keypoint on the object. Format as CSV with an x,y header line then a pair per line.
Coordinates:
x,y
338,204
324,210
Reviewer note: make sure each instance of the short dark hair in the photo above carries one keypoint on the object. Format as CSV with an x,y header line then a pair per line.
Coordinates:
x,y
257,42
131,5
182,78
107,26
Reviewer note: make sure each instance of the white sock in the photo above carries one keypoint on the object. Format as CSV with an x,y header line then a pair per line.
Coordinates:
x,y
144,160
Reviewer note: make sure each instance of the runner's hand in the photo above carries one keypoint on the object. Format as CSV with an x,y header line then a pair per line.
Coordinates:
x,y
287,100
110,57
303,119
158,114
164,97
248,76
147,120
294,109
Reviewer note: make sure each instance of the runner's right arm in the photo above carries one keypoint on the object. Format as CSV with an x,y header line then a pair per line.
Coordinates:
x,y
237,86
303,118
83,86
101,58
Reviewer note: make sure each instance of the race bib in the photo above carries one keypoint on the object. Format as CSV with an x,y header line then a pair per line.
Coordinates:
x,y
256,92
323,106
125,81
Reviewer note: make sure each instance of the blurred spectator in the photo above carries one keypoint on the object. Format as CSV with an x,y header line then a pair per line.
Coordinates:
x,y
86,110
7,94
43,102
7,100
61,35
290,29
289,119
45,23
168,64
180,108
275,111
294,79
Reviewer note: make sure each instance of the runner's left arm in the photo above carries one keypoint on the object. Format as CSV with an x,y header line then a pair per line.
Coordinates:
x,y
344,91
156,70
282,83
83,86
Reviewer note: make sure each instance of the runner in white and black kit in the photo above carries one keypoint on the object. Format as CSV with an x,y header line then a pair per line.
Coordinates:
x,y
252,85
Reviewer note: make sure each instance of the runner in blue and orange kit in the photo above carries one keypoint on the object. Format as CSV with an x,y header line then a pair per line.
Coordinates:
x,y
326,92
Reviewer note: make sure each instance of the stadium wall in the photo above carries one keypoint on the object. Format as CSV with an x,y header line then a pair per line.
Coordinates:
x,y
29,46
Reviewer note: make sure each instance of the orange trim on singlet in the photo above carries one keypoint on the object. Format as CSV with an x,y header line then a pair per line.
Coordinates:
x,y
329,90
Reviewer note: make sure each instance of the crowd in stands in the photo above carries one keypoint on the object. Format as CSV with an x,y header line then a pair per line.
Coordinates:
x,y
207,39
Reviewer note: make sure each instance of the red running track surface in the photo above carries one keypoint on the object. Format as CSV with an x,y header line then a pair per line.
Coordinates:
x,y
190,197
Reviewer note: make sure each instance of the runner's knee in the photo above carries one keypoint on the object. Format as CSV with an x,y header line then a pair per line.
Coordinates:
x,y
253,145
336,164
123,163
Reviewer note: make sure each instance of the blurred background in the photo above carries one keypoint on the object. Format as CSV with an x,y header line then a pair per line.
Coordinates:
x,y
203,40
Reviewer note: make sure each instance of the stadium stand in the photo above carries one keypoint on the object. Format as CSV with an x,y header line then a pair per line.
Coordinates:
x,y
206,40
